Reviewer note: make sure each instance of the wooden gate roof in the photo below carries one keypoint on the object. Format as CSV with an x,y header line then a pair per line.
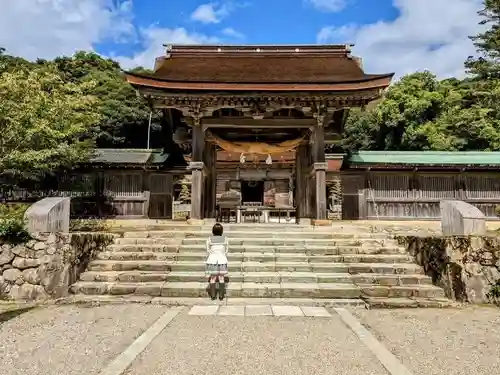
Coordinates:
x,y
260,68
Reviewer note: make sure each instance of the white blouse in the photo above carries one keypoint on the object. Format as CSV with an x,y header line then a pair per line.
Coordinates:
x,y
217,252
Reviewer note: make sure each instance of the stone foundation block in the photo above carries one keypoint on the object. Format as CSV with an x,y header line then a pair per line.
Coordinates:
x,y
196,222
322,223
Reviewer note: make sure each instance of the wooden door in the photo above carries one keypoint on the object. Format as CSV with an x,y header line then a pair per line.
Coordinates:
x,y
160,200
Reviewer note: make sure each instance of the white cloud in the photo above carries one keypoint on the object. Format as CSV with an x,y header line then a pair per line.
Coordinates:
x,y
232,33
210,13
330,34
328,5
152,40
50,28
427,35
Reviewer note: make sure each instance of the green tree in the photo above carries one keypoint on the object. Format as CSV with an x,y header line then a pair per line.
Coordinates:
x,y
482,104
486,66
12,63
46,123
406,119
125,116
422,113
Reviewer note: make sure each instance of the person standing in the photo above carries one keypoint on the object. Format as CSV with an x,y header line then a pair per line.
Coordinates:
x,y
216,264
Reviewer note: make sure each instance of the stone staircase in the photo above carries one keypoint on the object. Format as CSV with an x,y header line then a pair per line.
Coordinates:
x,y
331,265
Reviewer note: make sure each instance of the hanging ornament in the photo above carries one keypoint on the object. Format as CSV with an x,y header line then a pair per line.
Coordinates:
x,y
242,158
269,160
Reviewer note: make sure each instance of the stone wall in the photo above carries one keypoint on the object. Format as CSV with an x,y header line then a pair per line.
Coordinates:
x,y
466,267
46,266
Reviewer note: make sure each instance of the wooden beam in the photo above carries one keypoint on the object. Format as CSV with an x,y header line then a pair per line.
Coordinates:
x,y
211,122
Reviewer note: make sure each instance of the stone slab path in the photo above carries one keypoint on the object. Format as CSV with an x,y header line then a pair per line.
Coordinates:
x,y
437,342
259,310
136,339
254,346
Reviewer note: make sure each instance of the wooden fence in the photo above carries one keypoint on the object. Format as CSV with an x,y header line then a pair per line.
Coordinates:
x,y
400,195
104,193
363,195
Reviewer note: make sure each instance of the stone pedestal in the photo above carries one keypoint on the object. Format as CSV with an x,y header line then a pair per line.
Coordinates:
x,y
197,188
319,170
196,222
304,221
321,223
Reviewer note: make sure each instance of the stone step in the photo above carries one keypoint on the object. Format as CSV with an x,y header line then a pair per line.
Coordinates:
x,y
248,289
93,300
249,241
163,266
282,227
405,303
256,234
258,277
300,249
256,257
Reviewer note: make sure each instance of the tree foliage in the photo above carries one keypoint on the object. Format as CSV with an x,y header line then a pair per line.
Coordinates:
x,y
125,115
53,112
421,112
45,122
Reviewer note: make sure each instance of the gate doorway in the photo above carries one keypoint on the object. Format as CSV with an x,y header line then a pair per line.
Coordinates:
x,y
252,192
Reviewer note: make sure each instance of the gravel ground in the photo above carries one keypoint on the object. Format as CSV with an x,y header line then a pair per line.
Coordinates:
x,y
438,342
69,340
256,345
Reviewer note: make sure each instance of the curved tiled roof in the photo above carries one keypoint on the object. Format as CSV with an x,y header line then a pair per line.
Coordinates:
x,y
371,82
261,68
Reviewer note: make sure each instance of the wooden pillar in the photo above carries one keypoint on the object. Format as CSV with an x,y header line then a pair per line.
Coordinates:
x,y
198,141
210,157
146,190
319,140
311,193
301,180
197,169
319,170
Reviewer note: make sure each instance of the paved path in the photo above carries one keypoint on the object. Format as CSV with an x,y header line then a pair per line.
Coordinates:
x,y
438,342
260,310
148,339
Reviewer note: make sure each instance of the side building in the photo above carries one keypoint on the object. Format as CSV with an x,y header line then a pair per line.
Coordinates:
x,y
368,185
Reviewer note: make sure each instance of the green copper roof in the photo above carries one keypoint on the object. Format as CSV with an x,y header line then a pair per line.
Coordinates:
x,y
129,156
475,158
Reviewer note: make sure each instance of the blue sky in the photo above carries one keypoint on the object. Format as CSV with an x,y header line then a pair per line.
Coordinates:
x,y
256,22
399,36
